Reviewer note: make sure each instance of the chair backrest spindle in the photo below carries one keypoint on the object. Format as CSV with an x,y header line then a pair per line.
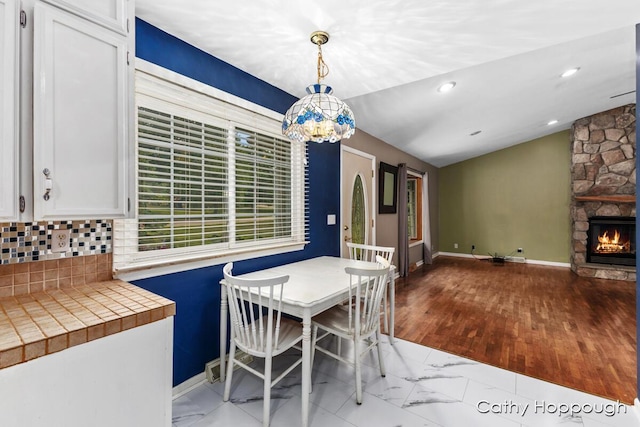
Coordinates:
x,y
255,308
370,287
370,252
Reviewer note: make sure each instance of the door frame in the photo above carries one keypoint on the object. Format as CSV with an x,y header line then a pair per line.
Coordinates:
x,y
374,192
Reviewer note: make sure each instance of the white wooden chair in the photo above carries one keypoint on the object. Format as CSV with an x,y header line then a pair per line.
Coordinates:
x,y
369,253
258,328
360,322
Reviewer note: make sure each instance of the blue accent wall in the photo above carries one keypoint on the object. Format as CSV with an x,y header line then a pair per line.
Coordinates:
x,y
197,292
154,45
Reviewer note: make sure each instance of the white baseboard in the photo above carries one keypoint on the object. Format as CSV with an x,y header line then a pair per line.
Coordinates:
x,y
188,385
527,261
550,263
460,255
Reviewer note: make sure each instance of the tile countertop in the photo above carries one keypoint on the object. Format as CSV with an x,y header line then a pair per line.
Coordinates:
x,y
41,323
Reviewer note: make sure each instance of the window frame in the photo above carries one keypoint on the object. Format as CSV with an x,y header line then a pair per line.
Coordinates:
x,y
412,176
167,86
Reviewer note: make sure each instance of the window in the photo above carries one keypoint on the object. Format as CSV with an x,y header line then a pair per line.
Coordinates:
x,y
414,207
214,180
182,182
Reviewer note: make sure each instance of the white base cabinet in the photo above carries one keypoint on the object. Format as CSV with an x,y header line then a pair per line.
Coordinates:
x,y
119,380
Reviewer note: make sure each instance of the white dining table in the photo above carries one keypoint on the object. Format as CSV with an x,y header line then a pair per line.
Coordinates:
x,y
314,286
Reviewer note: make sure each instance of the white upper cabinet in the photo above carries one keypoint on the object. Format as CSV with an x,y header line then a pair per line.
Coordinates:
x,y
110,13
9,23
81,125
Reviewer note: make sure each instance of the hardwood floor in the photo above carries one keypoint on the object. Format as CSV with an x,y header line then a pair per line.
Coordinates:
x,y
544,322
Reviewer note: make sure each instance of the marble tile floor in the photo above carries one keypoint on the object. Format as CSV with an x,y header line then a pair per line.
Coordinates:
x,y
423,387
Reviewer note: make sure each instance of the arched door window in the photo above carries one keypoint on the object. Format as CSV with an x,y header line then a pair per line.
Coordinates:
x,y
358,212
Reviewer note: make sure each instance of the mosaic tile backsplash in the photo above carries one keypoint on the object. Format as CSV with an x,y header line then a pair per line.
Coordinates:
x,y
27,264
31,241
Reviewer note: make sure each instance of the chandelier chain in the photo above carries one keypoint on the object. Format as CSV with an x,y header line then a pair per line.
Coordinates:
x,y
323,68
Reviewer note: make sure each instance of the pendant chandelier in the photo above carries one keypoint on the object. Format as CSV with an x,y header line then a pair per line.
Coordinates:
x,y
319,116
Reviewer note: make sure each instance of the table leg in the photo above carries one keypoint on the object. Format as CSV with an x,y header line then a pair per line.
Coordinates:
x,y
224,306
306,366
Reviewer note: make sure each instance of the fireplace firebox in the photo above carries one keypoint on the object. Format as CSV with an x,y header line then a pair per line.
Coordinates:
x,y
612,240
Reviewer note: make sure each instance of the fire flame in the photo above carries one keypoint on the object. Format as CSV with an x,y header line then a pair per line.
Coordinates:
x,y
612,245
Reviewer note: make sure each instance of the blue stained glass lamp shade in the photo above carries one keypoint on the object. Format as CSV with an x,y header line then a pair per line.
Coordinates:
x,y
319,117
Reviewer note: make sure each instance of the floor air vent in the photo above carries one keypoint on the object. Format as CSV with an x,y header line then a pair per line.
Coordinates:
x,y
212,369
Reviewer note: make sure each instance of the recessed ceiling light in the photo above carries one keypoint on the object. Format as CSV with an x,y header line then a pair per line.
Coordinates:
x,y
570,72
446,87
475,133
552,122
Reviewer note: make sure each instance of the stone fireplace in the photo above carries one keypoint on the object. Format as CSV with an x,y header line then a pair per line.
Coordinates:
x,y
603,185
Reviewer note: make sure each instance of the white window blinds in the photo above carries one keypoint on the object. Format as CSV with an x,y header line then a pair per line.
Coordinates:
x,y
214,179
182,182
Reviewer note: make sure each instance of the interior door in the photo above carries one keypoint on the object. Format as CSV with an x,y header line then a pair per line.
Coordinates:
x,y
358,198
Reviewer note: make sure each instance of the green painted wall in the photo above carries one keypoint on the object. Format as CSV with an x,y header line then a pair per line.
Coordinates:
x,y
513,198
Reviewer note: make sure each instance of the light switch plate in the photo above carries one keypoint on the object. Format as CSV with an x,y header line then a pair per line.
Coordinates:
x,y
331,219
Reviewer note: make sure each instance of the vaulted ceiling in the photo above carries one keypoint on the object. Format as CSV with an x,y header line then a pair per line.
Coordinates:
x,y
387,59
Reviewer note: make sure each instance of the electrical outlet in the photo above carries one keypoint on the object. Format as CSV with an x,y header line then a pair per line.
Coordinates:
x,y
455,246
473,247
60,240
520,250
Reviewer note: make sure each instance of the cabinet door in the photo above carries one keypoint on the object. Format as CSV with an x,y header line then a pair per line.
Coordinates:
x,y
110,13
8,110
80,118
